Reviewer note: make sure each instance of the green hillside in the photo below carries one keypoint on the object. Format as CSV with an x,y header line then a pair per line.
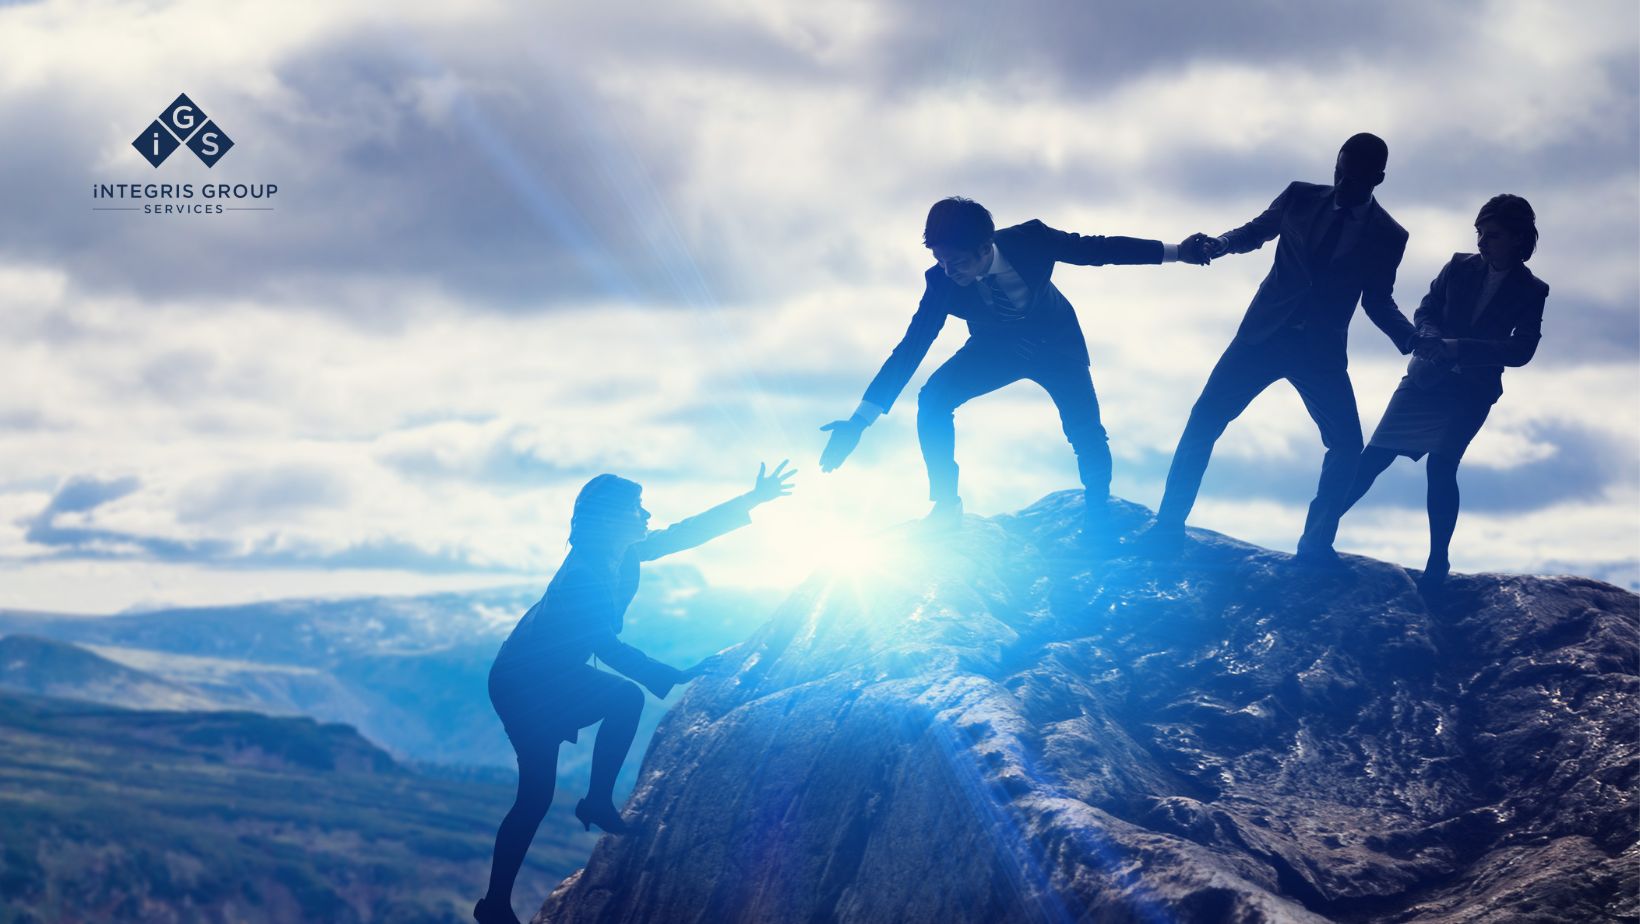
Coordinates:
x,y
109,814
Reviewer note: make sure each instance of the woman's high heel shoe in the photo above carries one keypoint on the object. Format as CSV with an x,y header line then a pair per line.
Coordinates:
x,y
604,815
489,912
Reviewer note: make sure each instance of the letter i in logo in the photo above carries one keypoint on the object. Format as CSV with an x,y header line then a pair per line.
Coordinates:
x,y
156,143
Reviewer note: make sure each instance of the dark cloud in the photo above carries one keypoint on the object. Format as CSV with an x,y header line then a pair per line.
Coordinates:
x,y
25,419
267,493
1578,331
82,494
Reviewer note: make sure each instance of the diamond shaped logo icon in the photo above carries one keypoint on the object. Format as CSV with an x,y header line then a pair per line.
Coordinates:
x,y
156,143
183,122
182,117
210,143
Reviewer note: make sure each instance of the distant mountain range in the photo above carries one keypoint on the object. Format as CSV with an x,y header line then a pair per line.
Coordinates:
x,y
408,672
30,664
141,816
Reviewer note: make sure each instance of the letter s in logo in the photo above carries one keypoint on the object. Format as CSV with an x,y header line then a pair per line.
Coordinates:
x,y
207,143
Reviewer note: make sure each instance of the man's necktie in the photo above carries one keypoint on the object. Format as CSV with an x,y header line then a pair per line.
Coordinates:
x,y
1325,250
1005,307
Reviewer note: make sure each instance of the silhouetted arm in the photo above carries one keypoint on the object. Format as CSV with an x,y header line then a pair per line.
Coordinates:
x,y
1378,299
1267,225
657,677
1093,249
908,354
1514,350
1432,309
698,529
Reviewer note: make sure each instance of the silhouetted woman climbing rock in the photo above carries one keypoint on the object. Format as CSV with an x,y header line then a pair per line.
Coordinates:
x,y
541,684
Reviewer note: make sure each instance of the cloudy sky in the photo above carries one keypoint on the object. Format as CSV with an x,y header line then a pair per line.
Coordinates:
x,y
517,244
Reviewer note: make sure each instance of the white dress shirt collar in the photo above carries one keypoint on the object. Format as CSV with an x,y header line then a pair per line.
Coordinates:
x,y
999,263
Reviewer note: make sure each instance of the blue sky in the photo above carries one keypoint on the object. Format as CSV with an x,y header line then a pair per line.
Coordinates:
x,y
519,244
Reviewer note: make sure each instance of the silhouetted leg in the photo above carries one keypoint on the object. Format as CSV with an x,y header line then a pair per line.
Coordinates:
x,y
537,772
1443,508
1070,385
969,373
1373,461
625,704
1241,373
1330,400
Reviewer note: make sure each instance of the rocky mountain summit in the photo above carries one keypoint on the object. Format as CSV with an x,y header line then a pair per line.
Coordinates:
x,y
996,728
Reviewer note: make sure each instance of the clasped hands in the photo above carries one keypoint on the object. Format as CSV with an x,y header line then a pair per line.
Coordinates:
x,y
1428,346
1201,249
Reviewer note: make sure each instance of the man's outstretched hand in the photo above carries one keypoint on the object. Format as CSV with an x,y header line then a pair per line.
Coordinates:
x,y
845,435
772,485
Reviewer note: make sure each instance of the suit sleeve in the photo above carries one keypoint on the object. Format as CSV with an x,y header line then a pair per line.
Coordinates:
x,y
696,530
1378,298
908,354
1514,350
1427,319
658,678
1094,249
1267,225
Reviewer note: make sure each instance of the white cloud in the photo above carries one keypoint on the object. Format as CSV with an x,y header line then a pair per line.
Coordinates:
x,y
419,362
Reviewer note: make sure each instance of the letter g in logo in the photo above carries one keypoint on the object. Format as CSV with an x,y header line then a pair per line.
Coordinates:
x,y
182,117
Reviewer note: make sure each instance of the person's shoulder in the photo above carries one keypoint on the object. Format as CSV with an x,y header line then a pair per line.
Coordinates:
x,y
1532,282
1024,228
1301,188
1387,223
1027,234
1466,261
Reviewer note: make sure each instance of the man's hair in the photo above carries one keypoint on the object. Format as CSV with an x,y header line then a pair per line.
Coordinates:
x,y
958,222
604,500
1369,149
1516,214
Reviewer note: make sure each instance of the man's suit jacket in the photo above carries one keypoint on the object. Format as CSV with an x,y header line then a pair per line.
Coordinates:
x,y
1505,333
1322,293
1049,324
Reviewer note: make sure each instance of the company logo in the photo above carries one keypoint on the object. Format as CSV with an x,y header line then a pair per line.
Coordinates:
x,y
183,124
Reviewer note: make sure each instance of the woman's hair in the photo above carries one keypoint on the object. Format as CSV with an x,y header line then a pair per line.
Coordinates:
x,y
604,500
1514,213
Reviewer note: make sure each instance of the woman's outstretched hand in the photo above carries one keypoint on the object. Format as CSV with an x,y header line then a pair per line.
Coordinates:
x,y
772,485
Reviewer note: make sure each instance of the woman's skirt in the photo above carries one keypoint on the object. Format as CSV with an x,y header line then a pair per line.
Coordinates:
x,y
544,708
1441,417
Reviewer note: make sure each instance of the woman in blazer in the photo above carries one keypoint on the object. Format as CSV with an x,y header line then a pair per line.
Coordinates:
x,y
1483,312
541,684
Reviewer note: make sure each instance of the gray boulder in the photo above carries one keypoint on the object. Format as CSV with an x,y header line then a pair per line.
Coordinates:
x,y
996,728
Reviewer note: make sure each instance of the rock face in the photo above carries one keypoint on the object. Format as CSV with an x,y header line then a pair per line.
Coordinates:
x,y
996,728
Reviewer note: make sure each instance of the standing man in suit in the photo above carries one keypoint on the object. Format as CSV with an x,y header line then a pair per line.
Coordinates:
x,y
1019,327
1337,246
